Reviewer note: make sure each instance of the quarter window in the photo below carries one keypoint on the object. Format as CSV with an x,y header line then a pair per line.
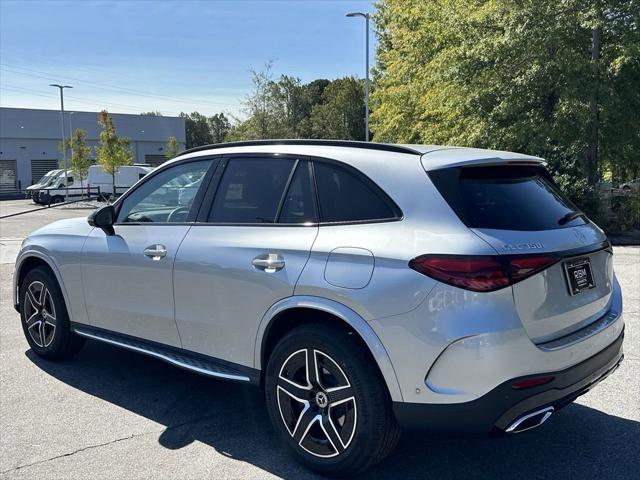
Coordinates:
x,y
165,197
299,205
251,190
347,197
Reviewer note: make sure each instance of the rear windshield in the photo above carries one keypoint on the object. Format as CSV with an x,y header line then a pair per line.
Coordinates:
x,y
504,197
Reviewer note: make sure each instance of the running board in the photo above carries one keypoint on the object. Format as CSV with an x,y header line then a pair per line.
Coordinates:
x,y
180,358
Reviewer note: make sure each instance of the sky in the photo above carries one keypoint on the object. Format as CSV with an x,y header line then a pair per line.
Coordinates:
x,y
170,56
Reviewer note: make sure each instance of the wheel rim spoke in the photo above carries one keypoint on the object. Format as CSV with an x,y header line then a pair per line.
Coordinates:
x,y
340,395
306,420
41,333
298,392
312,368
32,299
35,332
43,290
33,319
332,434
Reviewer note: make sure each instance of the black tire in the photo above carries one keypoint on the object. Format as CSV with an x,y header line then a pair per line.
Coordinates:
x,y
57,199
365,426
44,317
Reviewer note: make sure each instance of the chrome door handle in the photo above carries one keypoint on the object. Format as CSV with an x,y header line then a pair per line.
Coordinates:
x,y
269,262
155,252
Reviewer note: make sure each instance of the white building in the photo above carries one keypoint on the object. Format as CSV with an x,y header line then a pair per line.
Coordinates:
x,y
29,140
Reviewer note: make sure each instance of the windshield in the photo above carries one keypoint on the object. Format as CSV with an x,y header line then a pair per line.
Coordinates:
x,y
44,179
53,179
506,198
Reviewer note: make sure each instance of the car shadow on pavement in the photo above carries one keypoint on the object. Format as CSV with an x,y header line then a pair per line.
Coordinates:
x,y
579,442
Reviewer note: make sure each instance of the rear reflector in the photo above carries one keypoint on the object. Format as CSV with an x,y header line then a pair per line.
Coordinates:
x,y
531,382
481,273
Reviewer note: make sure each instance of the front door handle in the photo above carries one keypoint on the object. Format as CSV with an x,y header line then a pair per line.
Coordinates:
x,y
269,262
155,252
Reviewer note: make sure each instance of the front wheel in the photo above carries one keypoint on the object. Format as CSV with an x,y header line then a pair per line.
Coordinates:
x,y
45,321
328,402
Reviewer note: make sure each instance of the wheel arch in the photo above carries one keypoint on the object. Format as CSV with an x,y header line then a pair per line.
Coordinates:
x,y
286,314
28,261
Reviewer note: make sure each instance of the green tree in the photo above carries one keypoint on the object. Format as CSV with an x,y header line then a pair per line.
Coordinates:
x,y
152,113
219,127
172,149
112,152
80,155
279,108
555,79
341,115
196,129
264,114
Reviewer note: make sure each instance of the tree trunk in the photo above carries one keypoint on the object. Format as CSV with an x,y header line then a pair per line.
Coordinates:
x,y
592,144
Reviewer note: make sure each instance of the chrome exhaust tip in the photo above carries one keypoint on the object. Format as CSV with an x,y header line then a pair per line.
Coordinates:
x,y
530,420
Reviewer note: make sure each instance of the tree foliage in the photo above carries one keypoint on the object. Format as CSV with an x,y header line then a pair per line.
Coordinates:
x,y
287,108
515,75
80,155
203,130
172,148
112,152
341,113
219,127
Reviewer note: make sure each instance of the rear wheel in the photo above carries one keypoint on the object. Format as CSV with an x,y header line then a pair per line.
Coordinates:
x,y
45,321
327,401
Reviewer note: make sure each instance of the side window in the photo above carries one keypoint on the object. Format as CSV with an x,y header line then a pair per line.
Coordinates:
x,y
166,197
347,197
250,190
299,205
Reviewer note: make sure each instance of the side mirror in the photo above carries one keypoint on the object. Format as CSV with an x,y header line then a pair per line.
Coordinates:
x,y
103,218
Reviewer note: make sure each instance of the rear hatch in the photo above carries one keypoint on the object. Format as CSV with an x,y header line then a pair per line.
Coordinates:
x,y
521,213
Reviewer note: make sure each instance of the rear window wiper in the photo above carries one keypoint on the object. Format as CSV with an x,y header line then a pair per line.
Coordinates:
x,y
570,216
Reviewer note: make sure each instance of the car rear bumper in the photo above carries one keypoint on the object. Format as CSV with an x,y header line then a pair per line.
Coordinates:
x,y
504,405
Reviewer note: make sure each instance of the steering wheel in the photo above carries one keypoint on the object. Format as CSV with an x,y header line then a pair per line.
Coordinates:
x,y
174,215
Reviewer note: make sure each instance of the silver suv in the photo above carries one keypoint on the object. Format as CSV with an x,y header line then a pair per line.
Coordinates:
x,y
365,287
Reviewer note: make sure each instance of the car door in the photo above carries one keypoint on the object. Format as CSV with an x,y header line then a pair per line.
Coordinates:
x,y
246,254
127,277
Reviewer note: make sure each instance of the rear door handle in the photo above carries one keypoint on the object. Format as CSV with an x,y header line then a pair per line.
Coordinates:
x,y
155,252
269,262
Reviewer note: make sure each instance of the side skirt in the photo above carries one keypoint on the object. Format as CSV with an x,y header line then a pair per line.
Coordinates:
x,y
195,362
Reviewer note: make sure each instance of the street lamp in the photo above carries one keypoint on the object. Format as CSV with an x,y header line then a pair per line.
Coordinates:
x,y
366,17
64,150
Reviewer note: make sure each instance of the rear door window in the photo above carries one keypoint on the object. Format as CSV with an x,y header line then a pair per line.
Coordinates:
x,y
251,190
505,197
346,196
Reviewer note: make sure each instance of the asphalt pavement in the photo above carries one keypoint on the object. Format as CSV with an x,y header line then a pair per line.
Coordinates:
x,y
114,414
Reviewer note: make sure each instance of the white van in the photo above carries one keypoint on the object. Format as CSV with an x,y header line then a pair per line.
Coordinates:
x,y
125,177
42,183
55,190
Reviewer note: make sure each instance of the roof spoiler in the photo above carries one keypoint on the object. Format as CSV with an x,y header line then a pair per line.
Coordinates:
x,y
473,158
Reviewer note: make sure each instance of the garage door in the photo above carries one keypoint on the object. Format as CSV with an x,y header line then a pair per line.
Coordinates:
x,y
154,160
40,167
8,177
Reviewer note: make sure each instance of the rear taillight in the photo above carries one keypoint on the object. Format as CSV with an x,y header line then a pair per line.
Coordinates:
x,y
481,273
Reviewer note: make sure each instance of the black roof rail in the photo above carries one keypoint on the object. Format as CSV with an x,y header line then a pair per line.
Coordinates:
x,y
387,147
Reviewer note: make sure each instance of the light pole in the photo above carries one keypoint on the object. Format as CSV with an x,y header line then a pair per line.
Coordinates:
x,y
64,150
71,136
366,17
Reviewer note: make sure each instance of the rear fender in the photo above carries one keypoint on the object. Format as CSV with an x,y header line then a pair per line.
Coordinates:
x,y
347,315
